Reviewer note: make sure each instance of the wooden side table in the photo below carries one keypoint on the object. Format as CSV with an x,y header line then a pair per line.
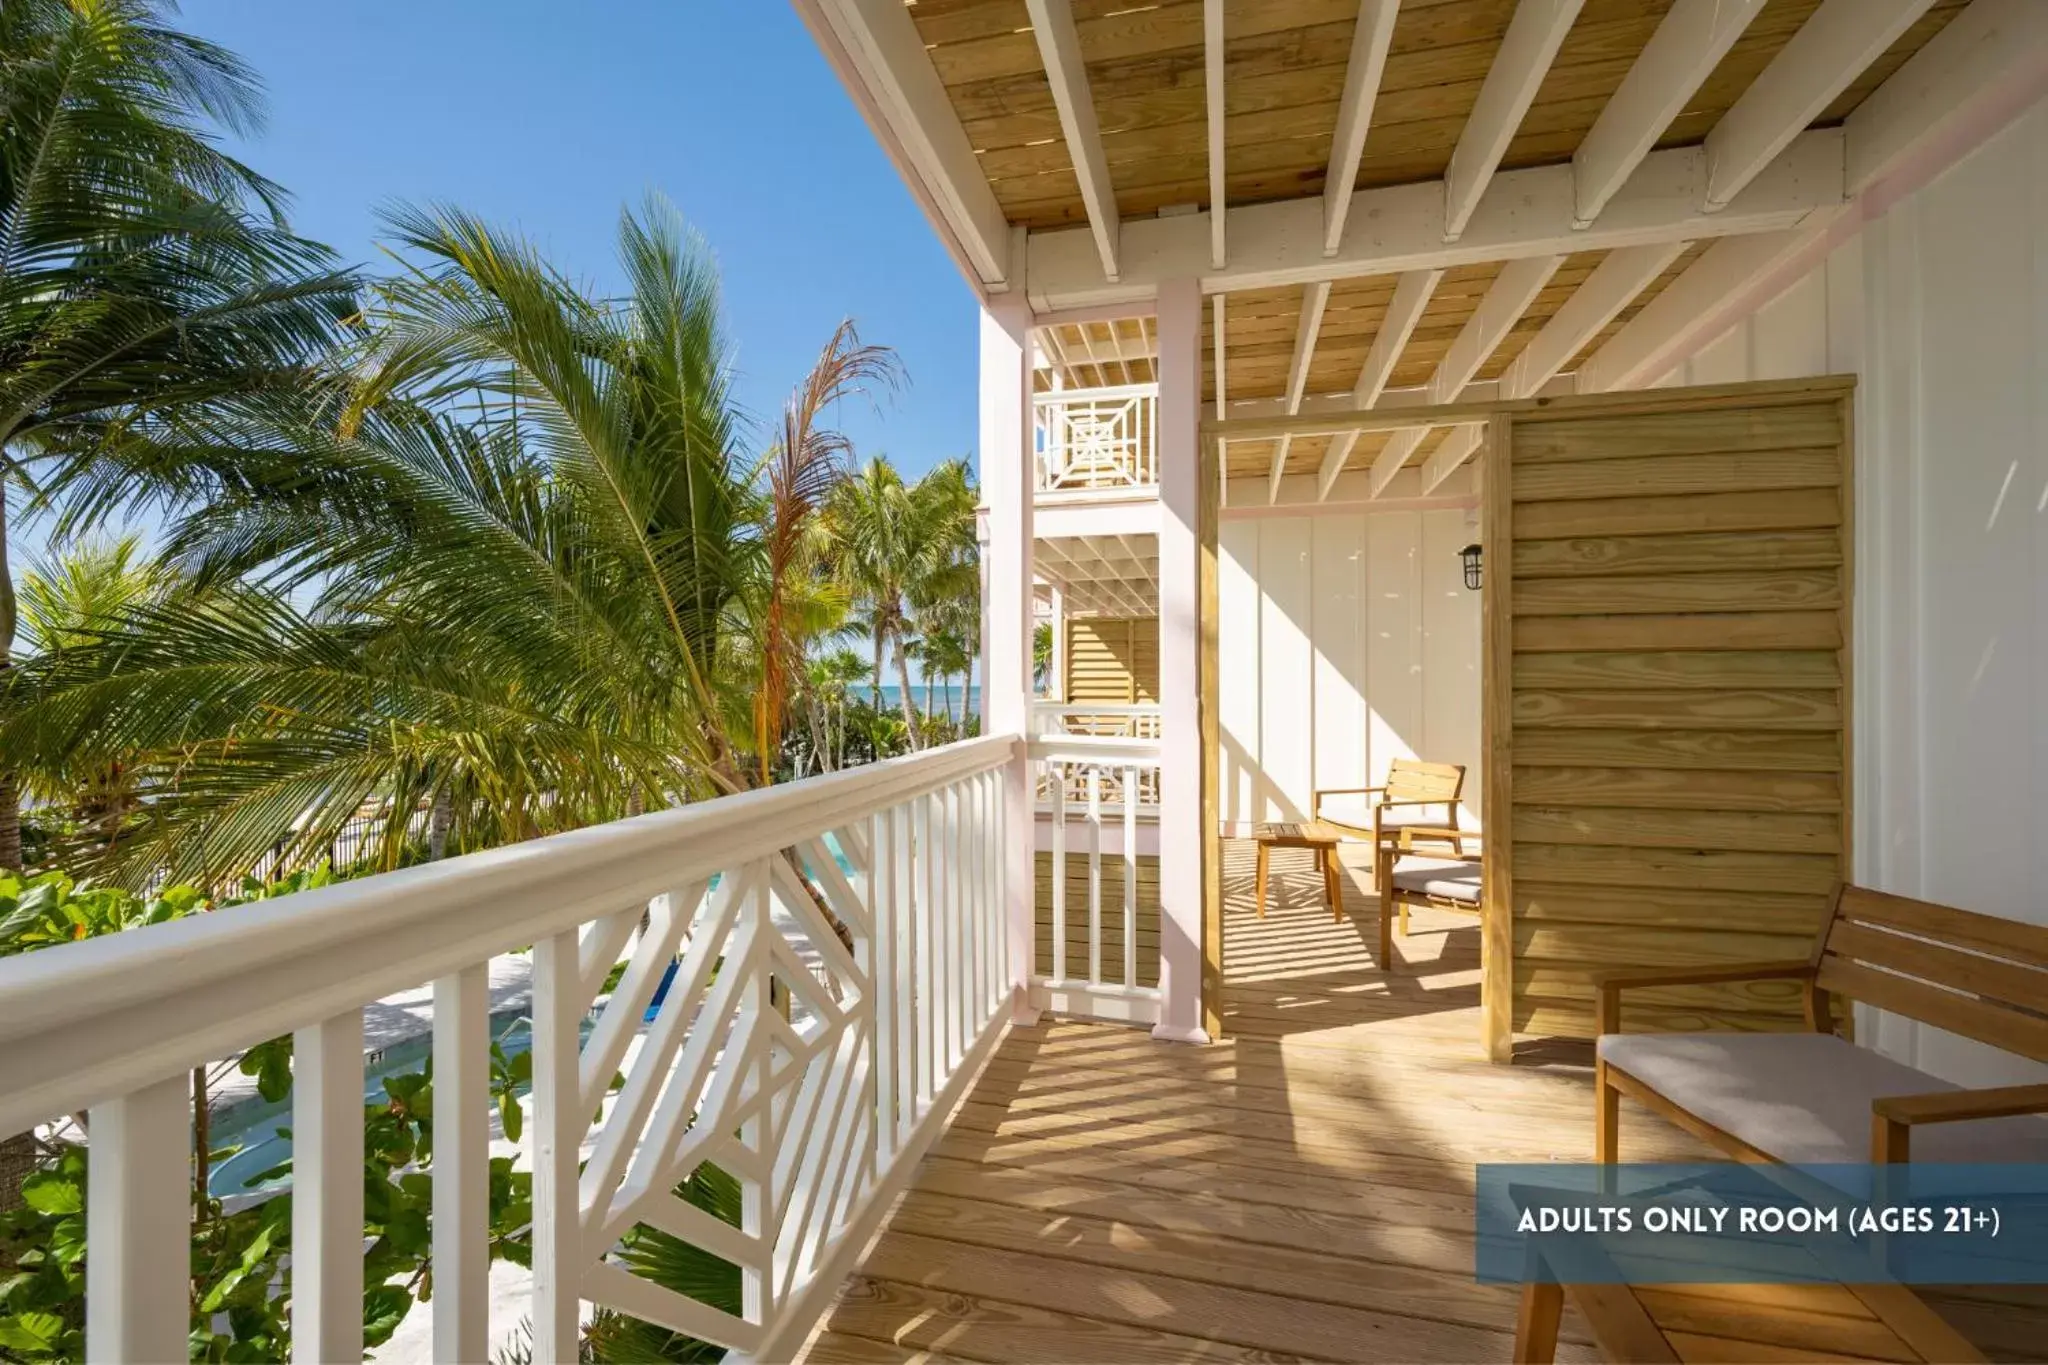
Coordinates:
x,y
1321,839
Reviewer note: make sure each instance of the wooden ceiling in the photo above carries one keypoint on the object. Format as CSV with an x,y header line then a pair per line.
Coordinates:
x,y
1286,62
1093,120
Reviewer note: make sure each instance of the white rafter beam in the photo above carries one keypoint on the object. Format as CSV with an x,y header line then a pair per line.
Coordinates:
x,y
880,58
1506,299
1369,42
1212,76
1611,287
1831,49
1059,47
1614,283
1525,55
1713,294
1682,53
1986,65
1313,300
1524,213
1411,297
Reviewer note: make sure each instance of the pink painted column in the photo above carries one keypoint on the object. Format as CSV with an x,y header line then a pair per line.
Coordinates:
x,y
1180,743
1006,490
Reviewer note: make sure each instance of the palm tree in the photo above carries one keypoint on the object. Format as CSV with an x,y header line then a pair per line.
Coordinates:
x,y
875,549
946,654
552,617
66,600
905,552
144,274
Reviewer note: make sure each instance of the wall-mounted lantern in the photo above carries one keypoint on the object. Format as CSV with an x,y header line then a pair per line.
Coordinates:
x,y
1470,555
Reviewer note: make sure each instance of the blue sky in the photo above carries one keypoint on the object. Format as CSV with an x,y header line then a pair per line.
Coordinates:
x,y
549,117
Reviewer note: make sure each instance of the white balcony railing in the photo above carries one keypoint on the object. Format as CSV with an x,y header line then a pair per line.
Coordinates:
x,y
1095,441
1096,720
812,1069
1102,958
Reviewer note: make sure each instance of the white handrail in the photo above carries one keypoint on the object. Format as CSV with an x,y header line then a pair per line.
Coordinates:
x,y
88,1019
813,1069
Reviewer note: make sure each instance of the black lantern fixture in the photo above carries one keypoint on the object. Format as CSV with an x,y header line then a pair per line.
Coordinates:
x,y
1470,555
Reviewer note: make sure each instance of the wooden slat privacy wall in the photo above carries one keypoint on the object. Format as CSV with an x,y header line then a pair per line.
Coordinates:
x,y
1114,660
1666,701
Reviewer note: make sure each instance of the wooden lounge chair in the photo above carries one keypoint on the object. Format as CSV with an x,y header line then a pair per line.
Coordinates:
x,y
1412,789
1814,1098
1404,877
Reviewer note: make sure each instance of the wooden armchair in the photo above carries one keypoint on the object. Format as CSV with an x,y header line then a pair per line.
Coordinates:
x,y
1403,878
1411,788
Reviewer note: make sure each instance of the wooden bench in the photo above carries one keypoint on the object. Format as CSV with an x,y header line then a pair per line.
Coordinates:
x,y
1666,1324
1814,1098
1412,788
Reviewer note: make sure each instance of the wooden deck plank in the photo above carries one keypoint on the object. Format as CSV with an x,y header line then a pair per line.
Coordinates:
x,y
1302,1190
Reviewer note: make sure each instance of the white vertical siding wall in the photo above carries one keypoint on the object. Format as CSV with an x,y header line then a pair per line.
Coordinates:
x,y
1941,308
1347,639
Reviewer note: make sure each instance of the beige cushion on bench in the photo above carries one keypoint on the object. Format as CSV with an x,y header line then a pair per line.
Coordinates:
x,y
1804,1098
1448,878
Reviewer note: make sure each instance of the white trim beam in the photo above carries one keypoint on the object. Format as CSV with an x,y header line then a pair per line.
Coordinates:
x,y
1213,41
1988,63
1507,298
1369,42
1059,46
1526,52
1400,228
1831,49
1681,54
881,59
1412,293
1711,296
1313,301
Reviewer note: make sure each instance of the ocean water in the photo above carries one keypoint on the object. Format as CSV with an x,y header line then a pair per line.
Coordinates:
x,y
942,697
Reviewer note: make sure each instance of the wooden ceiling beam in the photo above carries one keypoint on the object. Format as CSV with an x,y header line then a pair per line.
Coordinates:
x,y
1400,228
1832,48
1690,42
1212,76
1412,293
1526,52
1059,47
1506,299
1369,42
1314,299
880,58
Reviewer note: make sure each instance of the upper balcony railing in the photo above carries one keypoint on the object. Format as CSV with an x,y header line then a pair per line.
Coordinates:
x,y
1097,442
792,984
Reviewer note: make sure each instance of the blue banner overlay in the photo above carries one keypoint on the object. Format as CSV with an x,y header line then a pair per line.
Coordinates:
x,y
1729,1223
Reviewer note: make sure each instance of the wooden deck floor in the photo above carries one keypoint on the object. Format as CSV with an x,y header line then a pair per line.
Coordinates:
x,y
1301,1190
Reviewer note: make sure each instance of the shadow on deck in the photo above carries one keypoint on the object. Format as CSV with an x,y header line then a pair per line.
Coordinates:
x,y
1300,1190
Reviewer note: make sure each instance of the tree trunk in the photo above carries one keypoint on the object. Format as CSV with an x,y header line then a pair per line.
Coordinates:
x,y
202,1135
10,788
903,695
440,820
820,725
